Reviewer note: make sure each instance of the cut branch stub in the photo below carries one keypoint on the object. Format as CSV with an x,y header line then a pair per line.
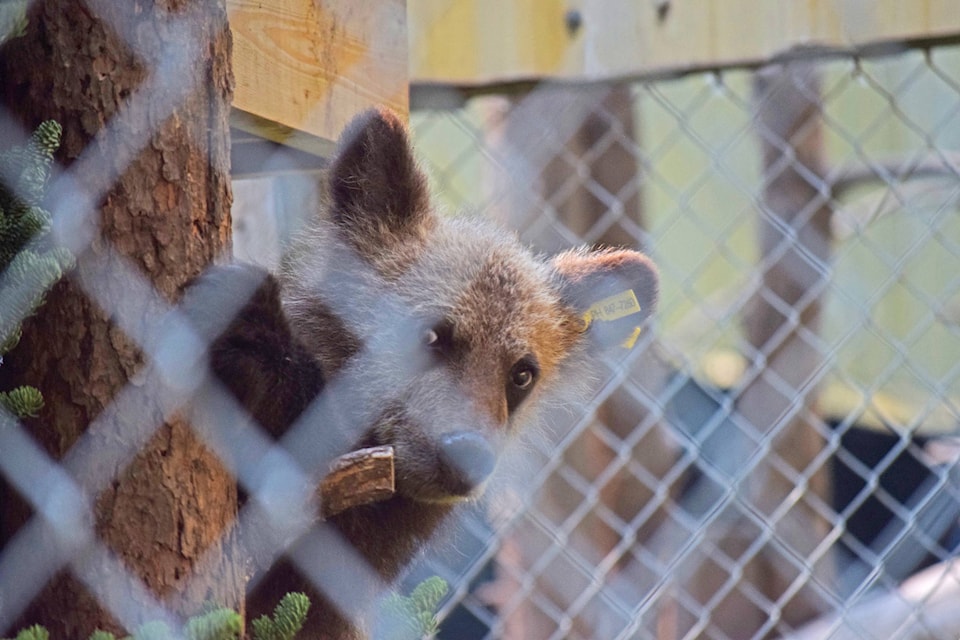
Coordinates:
x,y
360,477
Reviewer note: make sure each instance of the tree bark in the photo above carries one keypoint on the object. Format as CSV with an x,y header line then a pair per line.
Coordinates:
x,y
156,158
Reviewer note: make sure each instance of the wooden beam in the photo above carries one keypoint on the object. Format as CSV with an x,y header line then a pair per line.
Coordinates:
x,y
305,67
472,43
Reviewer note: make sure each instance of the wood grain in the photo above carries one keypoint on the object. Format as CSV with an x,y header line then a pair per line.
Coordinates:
x,y
356,478
305,67
471,43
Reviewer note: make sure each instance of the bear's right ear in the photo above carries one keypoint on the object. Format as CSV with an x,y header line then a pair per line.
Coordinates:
x,y
376,188
613,291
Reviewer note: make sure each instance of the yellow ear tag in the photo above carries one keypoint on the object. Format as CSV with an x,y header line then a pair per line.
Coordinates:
x,y
632,340
617,306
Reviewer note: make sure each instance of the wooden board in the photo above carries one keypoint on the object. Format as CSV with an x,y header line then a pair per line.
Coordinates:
x,y
305,67
472,43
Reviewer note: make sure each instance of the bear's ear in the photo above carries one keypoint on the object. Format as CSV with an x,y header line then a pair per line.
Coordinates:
x,y
613,291
375,185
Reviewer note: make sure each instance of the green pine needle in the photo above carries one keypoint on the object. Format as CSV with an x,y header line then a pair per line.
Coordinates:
x,y
36,632
26,273
219,624
215,624
287,619
22,401
9,336
29,165
427,595
47,137
412,617
35,274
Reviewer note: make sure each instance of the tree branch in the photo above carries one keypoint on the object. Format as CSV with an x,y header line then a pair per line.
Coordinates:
x,y
356,478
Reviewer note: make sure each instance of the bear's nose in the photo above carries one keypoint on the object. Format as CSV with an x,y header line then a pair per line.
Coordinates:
x,y
468,459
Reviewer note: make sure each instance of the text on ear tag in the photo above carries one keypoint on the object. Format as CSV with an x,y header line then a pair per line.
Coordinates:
x,y
612,308
617,306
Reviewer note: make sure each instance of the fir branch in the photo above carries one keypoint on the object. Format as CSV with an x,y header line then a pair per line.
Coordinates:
x,y
215,624
27,273
219,624
24,170
412,617
36,632
22,402
10,333
287,620
25,283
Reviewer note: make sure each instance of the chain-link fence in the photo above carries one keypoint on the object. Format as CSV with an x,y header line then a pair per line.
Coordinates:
x,y
784,452
774,458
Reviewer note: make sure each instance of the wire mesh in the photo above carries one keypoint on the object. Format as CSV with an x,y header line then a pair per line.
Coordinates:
x,y
779,460
736,481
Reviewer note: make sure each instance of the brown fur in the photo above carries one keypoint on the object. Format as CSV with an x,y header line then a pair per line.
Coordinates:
x,y
428,328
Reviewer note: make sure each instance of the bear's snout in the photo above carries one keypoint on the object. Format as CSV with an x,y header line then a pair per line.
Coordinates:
x,y
467,460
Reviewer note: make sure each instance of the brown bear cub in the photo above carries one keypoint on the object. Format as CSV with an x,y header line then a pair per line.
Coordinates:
x,y
390,324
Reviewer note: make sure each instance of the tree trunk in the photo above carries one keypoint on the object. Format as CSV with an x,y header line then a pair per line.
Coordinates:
x,y
152,146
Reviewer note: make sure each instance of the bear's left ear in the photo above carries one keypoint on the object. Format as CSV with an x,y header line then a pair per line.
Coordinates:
x,y
613,291
376,187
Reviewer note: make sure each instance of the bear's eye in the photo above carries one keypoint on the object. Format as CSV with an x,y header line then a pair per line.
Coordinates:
x,y
439,337
523,376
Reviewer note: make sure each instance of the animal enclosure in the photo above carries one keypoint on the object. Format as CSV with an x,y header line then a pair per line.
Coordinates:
x,y
777,456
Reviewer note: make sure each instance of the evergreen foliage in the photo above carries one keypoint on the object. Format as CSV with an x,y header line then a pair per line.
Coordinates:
x,y
216,624
219,624
36,632
287,619
22,401
28,268
412,617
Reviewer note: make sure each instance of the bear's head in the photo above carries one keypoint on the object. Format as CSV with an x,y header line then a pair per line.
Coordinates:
x,y
441,335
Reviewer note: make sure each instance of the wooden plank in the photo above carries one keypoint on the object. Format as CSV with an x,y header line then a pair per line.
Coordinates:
x,y
305,67
472,43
